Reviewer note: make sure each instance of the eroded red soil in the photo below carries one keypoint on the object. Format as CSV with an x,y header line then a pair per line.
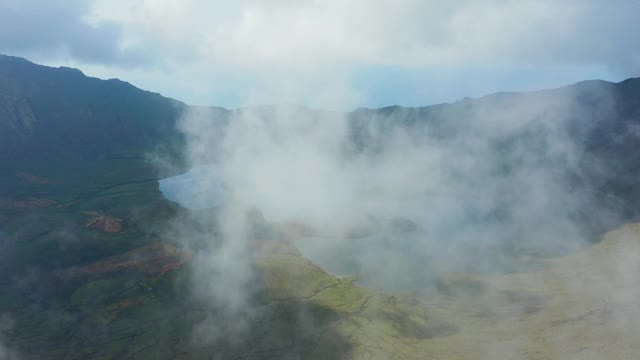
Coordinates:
x,y
106,224
154,259
25,204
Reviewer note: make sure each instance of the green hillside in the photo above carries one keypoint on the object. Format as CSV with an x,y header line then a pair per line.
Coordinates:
x,y
92,266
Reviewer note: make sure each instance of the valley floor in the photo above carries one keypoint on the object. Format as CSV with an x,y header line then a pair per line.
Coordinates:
x,y
91,273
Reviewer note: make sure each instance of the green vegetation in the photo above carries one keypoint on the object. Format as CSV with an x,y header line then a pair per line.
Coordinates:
x,y
301,312
74,148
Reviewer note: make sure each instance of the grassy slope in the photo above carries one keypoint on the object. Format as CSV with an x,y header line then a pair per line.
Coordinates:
x,y
579,306
302,312
51,314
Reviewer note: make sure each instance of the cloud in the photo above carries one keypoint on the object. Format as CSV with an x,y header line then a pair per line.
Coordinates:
x,y
405,198
309,34
234,53
474,185
49,30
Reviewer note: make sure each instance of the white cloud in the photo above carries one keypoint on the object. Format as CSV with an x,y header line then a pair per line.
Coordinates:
x,y
251,52
307,34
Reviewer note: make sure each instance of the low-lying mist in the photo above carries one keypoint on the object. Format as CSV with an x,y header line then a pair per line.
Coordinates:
x,y
398,195
492,204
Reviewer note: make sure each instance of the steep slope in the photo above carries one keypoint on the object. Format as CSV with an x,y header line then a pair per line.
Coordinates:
x,y
59,113
91,268
47,114
583,134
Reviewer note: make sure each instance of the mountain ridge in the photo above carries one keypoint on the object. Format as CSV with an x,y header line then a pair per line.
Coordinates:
x,y
59,114
634,80
92,266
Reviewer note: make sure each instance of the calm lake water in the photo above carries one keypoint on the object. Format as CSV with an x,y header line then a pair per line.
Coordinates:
x,y
196,189
369,257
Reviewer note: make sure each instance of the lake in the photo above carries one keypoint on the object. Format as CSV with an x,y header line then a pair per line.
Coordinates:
x,y
195,189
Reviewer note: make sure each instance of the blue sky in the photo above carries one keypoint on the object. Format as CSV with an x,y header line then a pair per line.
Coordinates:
x,y
329,54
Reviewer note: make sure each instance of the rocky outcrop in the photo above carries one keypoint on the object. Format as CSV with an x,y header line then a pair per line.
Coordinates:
x,y
106,224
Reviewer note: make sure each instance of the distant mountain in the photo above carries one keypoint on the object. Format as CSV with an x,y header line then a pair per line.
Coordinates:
x,y
61,113
595,123
92,266
49,114
52,113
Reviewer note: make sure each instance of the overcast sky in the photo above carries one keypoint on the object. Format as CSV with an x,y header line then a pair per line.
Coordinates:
x,y
332,53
